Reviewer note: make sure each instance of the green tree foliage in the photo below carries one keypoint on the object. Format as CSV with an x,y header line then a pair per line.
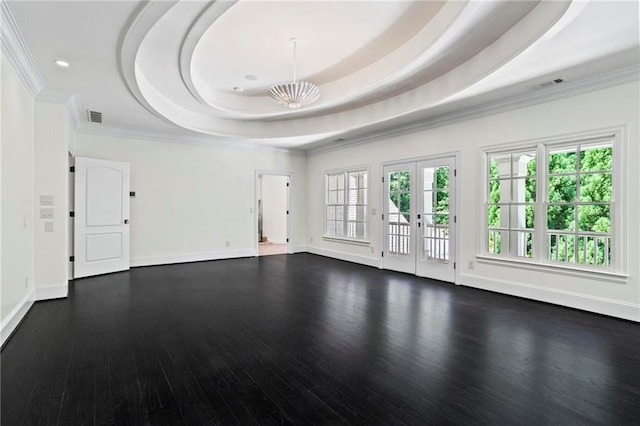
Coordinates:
x,y
400,193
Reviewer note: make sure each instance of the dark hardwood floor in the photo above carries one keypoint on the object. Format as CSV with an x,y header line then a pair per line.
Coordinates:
x,y
303,339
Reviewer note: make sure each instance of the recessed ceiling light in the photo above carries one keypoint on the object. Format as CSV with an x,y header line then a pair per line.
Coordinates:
x,y
251,77
61,63
238,89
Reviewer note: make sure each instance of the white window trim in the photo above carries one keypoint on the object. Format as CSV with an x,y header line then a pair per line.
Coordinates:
x,y
346,240
619,262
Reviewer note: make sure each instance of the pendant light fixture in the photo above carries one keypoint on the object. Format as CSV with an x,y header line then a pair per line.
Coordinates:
x,y
295,93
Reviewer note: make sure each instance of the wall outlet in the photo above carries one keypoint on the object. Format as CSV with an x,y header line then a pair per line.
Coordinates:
x,y
46,213
373,212
471,265
227,243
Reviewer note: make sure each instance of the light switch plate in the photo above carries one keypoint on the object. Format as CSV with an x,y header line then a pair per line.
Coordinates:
x,y
46,200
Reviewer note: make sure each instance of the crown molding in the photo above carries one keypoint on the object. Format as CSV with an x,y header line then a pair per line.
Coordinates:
x,y
602,81
17,51
209,141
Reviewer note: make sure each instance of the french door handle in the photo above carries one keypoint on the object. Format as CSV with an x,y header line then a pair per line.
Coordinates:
x,y
419,224
126,221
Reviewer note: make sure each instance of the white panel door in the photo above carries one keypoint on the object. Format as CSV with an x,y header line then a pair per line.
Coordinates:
x,y
101,231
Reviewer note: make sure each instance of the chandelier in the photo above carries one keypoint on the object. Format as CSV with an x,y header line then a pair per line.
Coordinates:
x,y
295,93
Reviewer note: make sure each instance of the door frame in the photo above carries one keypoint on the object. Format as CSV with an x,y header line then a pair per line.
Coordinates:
x,y
256,197
456,161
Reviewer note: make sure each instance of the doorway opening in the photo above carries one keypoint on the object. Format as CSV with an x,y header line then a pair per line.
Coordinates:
x,y
273,213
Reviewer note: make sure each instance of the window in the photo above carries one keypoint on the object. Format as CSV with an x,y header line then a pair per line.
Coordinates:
x,y
346,204
511,207
552,203
580,190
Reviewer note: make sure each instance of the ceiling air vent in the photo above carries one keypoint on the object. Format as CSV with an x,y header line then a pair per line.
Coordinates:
x,y
551,83
95,116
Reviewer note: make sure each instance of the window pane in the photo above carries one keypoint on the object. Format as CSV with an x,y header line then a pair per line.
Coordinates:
x,y
362,196
341,181
595,218
333,182
339,231
442,219
331,229
523,243
331,213
524,190
351,213
562,189
495,190
561,217
442,177
332,197
524,164
596,157
500,166
442,201
596,187
339,213
405,205
522,216
494,171
494,241
517,217
360,213
362,179
360,230
496,217
429,178
353,180
339,196
562,160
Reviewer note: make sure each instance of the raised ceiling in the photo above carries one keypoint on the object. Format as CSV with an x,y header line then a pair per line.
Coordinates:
x,y
201,70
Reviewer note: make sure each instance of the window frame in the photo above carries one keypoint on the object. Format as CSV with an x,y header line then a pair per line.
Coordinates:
x,y
617,270
345,220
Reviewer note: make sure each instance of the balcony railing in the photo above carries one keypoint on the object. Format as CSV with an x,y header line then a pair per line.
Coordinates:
x,y
584,248
435,240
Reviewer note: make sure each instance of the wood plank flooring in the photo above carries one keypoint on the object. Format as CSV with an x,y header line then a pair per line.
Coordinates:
x,y
303,339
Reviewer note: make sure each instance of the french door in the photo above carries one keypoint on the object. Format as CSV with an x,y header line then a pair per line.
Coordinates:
x,y
419,218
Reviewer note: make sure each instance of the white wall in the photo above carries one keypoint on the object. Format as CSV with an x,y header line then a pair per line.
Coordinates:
x,y
192,199
52,135
606,108
274,208
17,134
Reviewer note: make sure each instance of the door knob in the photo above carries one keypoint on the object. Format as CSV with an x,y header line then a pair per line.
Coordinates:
x,y
126,221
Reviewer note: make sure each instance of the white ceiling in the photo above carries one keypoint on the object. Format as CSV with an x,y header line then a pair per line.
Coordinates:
x,y
169,67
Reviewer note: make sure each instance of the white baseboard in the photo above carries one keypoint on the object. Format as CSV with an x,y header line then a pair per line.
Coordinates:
x,y
300,249
192,257
52,291
614,308
15,316
349,257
